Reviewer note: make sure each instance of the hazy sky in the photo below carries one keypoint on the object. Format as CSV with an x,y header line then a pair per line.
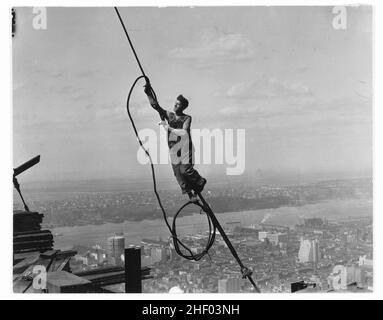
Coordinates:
x,y
300,88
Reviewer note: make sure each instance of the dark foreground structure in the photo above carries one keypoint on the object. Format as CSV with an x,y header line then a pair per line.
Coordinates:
x,y
39,268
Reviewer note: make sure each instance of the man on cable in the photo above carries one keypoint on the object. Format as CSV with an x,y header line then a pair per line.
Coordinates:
x,y
180,144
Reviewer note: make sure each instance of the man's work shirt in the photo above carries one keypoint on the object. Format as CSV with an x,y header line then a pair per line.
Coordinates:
x,y
180,146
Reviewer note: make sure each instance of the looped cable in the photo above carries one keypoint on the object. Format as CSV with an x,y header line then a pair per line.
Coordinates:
x,y
212,220
179,246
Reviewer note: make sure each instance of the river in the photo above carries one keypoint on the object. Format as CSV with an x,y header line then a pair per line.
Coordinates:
x,y
90,235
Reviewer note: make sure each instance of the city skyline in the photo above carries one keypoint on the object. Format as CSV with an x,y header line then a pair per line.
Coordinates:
x,y
340,261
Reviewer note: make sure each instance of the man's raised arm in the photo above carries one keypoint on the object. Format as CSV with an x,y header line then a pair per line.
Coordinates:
x,y
154,103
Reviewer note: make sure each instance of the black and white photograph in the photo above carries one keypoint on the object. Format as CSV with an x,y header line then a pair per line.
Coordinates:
x,y
192,150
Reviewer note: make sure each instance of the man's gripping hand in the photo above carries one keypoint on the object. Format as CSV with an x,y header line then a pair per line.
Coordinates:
x,y
149,93
148,89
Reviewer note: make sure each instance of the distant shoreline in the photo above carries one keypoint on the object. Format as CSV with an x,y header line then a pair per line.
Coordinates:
x,y
145,184
88,235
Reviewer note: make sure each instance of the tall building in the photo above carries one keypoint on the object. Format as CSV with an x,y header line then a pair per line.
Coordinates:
x,y
262,235
115,249
356,274
315,251
274,237
99,254
146,260
158,255
309,251
364,261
